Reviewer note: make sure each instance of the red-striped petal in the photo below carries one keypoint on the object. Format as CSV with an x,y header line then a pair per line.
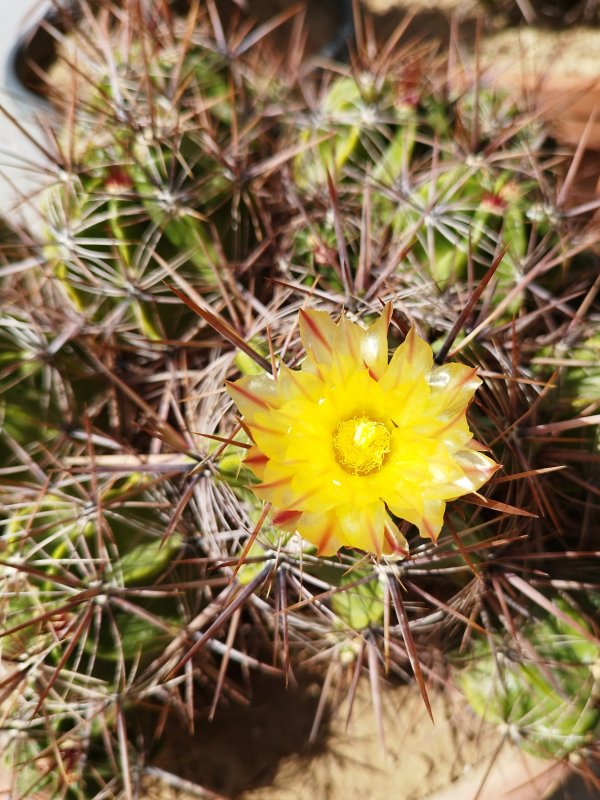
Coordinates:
x,y
317,331
287,518
253,394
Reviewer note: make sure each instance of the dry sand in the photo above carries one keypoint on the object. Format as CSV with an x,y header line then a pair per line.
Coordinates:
x,y
261,753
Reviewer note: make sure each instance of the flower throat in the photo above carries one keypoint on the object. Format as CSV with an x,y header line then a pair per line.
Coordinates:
x,y
361,445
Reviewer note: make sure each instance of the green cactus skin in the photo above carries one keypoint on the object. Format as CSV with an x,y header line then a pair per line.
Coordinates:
x,y
546,703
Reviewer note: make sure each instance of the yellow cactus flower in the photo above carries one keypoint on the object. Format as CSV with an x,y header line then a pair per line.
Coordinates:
x,y
350,438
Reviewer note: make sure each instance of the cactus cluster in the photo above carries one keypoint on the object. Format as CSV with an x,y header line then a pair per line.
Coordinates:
x,y
546,698
206,188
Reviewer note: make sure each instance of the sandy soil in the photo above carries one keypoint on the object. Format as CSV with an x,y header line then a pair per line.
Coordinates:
x,y
261,753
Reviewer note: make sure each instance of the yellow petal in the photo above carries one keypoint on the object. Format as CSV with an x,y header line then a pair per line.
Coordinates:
x,y
256,460
374,344
293,384
363,526
253,394
429,522
411,361
394,542
268,431
276,487
317,331
407,402
348,347
322,530
477,467
452,432
287,519
291,485
453,386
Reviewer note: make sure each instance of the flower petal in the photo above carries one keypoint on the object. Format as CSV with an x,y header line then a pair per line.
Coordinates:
x,y
294,384
253,394
429,522
363,526
394,542
453,386
276,487
317,331
287,519
432,520
452,432
322,530
477,467
268,431
412,360
257,461
289,485
374,344
348,346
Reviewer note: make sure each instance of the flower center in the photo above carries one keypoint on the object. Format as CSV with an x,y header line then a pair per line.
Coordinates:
x,y
361,445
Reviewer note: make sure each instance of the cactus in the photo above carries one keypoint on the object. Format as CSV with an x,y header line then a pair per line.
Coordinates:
x,y
540,688
156,192
450,203
78,609
204,194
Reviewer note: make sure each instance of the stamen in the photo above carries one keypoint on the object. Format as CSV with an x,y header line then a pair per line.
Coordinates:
x,y
361,445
